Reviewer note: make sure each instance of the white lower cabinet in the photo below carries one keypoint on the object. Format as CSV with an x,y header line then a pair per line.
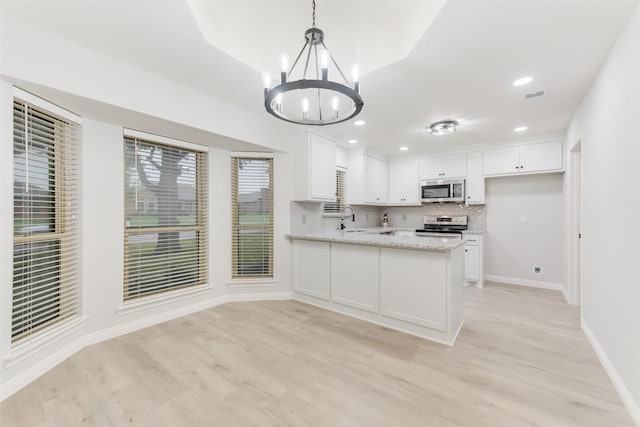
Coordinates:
x,y
407,293
354,276
311,268
473,271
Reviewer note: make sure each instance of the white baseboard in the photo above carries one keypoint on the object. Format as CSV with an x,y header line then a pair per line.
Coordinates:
x,y
525,282
128,327
34,372
263,296
629,402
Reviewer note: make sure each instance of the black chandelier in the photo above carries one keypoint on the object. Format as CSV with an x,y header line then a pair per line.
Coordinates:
x,y
319,100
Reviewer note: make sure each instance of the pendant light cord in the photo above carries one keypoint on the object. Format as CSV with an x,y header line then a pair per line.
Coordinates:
x,y
313,15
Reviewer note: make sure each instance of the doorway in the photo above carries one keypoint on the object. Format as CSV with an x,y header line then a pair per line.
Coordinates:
x,y
575,220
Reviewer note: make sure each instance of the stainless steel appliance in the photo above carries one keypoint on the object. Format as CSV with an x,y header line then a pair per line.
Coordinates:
x,y
443,226
442,190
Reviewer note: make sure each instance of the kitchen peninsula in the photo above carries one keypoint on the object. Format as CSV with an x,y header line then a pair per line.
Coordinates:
x,y
405,282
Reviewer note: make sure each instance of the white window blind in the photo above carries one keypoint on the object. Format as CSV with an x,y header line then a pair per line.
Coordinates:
x,y
166,199
334,209
46,289
252,212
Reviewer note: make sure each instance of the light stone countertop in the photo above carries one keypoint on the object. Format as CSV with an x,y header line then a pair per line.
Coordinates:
x,y
404,239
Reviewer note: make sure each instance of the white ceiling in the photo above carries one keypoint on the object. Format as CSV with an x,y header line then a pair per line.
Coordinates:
x,y
461,66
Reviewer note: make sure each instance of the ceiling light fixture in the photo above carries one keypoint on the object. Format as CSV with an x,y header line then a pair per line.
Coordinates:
x,y
520,129
443,127
359,123
522,81
353,141
320,98
404,148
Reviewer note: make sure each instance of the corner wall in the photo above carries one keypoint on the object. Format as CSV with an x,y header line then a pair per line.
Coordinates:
x,y
606,123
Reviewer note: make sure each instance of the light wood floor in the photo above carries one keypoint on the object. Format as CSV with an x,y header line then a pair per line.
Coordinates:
x,y
520,360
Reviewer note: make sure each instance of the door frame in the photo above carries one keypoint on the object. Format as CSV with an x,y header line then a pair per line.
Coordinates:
x,y
574,216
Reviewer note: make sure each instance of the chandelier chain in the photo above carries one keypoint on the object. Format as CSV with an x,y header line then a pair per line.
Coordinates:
x,y
313,15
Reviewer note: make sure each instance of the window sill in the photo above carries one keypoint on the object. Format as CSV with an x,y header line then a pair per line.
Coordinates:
x,y
243,283
46,338
146,303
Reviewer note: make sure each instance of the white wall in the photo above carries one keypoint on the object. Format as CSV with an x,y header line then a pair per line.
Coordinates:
x,y
525,227
607,124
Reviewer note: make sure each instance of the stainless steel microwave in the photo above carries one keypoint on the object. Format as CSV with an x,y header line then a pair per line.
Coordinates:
x,y
442,190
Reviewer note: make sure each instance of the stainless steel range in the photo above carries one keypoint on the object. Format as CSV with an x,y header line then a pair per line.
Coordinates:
x,y
443,226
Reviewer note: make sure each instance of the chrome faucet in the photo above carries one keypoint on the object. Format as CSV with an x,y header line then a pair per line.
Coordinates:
x,y
342,217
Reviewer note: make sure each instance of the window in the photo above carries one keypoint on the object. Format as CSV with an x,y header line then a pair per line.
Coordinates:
x,y
252,211
334,209
165,238
46,281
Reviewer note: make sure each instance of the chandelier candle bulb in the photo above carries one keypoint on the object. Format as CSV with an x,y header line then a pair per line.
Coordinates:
x,y
324,60
305,109
334,106
279,102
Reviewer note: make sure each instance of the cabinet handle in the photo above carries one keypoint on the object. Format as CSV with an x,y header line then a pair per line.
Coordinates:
x,y
517,167
521,167
466,250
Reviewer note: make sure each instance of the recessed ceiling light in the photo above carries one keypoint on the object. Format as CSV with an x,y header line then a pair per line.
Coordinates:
x,y
522,81
443,127
359,122
520,129
353,141
404,148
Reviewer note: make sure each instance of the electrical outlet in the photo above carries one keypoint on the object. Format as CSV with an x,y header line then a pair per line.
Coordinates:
x,y
304,219
537,269
523,219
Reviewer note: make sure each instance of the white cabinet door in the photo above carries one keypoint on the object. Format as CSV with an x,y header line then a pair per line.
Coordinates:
x,y
454,166
311,268
529,158
322,178
376,180
404,183
407,294
471,262
354,276
501,161
475,180
314,168
431,168
541,157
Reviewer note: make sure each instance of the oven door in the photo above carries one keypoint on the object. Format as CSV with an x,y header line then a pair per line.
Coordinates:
x,y
434,192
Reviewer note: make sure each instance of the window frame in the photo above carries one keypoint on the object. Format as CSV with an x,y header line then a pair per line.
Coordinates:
x,y
63,230
334,209
200,228
236,276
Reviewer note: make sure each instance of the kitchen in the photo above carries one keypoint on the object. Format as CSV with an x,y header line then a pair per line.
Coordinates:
x,y
523,202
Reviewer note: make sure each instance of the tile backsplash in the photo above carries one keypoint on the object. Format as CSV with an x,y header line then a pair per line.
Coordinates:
x,y
412,216
306,217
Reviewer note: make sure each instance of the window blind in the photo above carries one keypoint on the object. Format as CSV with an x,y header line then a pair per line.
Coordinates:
x,y
334,209
166,216
252,217
46,279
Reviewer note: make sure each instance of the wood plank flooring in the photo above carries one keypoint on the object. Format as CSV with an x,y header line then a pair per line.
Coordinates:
x,y
520,360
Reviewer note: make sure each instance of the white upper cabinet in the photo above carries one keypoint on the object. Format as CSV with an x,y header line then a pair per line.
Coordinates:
x,y
367,180
530,158
314,168
443,167
404,183
475,180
